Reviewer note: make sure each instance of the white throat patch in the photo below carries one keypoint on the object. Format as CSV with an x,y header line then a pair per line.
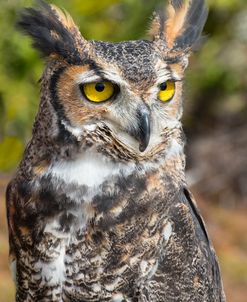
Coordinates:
x,y
90,169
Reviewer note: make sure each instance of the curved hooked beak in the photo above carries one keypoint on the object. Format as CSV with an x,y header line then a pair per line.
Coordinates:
x,y
143,132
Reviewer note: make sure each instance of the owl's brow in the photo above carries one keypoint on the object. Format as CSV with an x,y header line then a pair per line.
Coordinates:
x,y
88,76
98,72
95,73
92,66
113,76
166,73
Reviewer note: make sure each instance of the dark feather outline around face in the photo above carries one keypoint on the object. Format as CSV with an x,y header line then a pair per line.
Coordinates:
x,y
54,32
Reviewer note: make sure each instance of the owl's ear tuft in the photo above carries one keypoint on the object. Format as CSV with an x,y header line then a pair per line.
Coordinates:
x,y
53,31
182,24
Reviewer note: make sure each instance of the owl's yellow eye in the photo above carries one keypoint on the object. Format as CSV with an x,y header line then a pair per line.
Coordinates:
x,y
167,91
98,92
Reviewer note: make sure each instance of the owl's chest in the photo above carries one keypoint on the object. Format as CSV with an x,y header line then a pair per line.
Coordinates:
x,y
112,257
104,265
109,228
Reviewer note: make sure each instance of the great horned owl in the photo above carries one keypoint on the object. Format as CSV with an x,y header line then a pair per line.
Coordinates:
x,y
99,208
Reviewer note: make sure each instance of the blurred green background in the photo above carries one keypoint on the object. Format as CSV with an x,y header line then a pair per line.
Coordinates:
x,y
215,113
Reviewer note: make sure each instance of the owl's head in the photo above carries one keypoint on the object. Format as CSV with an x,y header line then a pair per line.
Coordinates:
x,y
126,94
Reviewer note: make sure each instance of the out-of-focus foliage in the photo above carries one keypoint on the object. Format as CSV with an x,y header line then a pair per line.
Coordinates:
x,y
218,78
216,85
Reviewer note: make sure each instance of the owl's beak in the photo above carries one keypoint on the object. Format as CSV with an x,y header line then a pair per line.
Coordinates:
x,y
143,133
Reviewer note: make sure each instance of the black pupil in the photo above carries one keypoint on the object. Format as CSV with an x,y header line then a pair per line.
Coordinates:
x,y
100,87
163,86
